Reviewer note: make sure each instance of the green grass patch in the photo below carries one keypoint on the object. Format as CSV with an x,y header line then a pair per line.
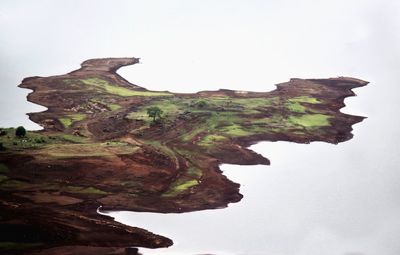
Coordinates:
x,y
73,138
32,140
83,190
68,120
310,120
295,107
121,91
305,99
114,107
180,186
295,104
210,140
170,107
235,130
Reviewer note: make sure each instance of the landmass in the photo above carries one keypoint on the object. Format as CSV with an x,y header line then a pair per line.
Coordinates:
x,y
106,142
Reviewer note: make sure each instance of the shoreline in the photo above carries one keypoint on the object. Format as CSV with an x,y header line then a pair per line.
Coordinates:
x,y
170,166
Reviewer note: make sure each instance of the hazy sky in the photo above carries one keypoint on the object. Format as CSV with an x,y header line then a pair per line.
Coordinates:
x,y
320,199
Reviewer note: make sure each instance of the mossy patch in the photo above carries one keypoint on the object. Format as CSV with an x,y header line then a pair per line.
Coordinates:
x,y
121,91
210,140
295,104
235,130
69,119
305,99
114,107
74,138
180,186
83,190
310,120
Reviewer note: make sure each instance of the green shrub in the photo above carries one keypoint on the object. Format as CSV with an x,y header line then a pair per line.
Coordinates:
x,y
3,132
40,140
20,131
201,104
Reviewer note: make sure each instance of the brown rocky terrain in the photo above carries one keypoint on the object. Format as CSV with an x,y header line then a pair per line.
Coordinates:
x,y
99,147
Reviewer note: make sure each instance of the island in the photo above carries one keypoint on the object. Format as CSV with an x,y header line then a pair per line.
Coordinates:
x,y
112,144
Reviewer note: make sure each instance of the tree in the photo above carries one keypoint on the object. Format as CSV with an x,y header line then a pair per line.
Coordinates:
x,y
154,112
20,132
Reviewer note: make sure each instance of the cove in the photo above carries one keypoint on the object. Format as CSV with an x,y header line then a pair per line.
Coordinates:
x,y
296,205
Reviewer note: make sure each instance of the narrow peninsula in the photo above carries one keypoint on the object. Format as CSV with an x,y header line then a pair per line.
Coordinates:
x,y
106,142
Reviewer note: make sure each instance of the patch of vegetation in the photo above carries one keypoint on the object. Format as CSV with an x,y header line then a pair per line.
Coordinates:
x,y
114,107
3,132
74,138
154,112
13,184
210,140
105,102
3,178
235,130
170,107
121,91
306,99
197,130
180,186
68,120
83,190
20,132
88,150
31,140
295,107
310,120
194,172
295,104
163,149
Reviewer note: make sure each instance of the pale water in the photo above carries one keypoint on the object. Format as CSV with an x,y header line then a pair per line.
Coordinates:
x,y
314,199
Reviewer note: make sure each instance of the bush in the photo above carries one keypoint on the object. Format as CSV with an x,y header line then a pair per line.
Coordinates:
x,y
40,140
201,104
20,132
3,132
2,148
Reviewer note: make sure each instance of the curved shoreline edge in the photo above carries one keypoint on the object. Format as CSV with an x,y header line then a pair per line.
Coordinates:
x,y
166,166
